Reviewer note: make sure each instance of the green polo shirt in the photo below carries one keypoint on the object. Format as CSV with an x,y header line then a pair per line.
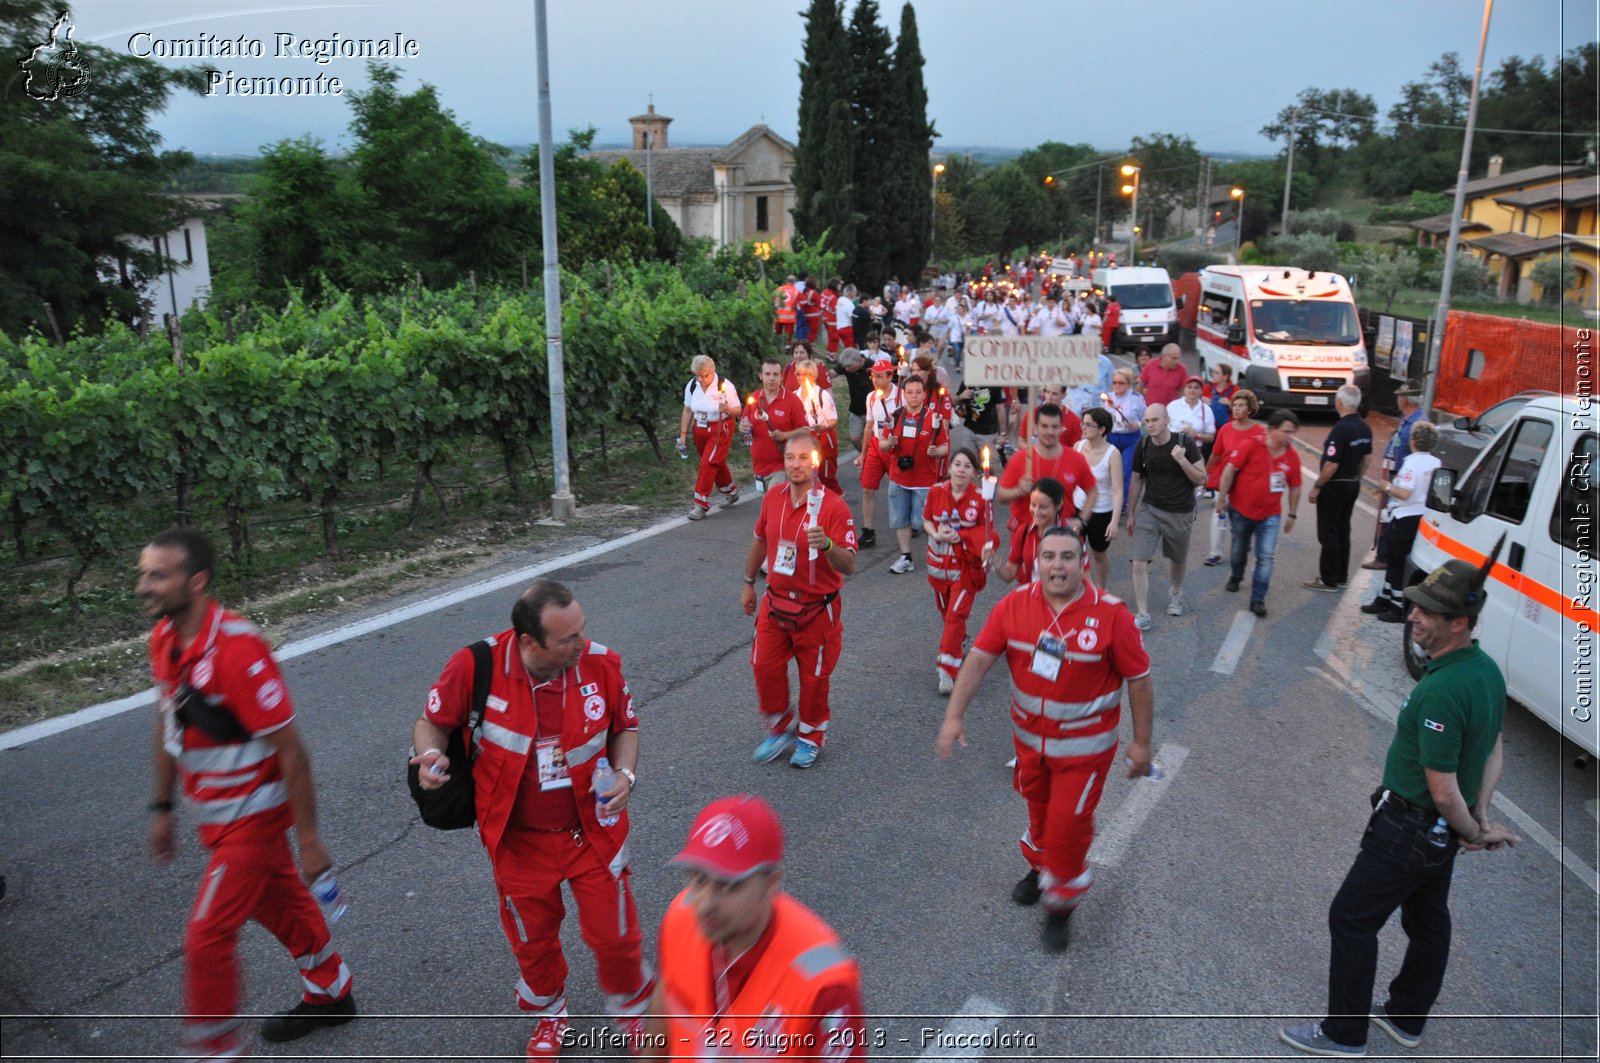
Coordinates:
x,y
1450,723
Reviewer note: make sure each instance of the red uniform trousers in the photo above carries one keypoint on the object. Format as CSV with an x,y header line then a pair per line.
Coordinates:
x,y
1062,794
713,442
954,599
841,337
828,454
529,869
251,878
814,647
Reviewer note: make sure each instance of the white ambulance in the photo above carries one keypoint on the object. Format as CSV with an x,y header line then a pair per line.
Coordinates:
x,y
1291,336
1535,484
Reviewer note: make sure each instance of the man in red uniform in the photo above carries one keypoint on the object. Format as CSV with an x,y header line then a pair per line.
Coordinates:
x,y
747,970
1071,424
882,405
808,539
914,449
1260,475
785,305
1045,456
1070,647
774,414
225,722
557,705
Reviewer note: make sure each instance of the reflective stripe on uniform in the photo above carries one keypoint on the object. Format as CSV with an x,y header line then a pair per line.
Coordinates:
x,y
619,863
232,809
588,749
1033,705
222,782
214,881
316,959
239,627
506,738
552,1004
817,959
225,758
516,917
332,992
1087,746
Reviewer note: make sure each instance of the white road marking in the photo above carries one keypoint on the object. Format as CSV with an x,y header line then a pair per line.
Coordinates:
x,y
33,732
1111,845
977,1017
1233,646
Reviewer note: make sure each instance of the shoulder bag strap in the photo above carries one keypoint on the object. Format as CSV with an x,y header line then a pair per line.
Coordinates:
x,y
482,675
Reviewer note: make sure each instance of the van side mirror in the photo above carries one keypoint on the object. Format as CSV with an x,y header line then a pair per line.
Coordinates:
x,y
1441,490
1236,334
1463,423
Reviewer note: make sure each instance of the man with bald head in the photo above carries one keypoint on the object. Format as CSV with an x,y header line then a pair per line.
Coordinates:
x,y
1166,470
1163,378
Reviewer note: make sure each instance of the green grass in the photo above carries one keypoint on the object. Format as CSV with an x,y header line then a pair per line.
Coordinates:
x,y
1417,304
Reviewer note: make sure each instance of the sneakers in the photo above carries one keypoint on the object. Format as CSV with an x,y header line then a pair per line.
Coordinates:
x,y
946,683
1142,621
1213,561
1054,934
1258,607
1310,1039
772,747
696,512
305,1018
867,538
547,1037
1027,892
730,497
1318,585
902,566
1380,1019
1233,583
805,754
1175,606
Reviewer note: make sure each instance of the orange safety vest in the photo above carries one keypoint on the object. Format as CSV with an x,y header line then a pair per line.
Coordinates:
x,y
775,1012
788,299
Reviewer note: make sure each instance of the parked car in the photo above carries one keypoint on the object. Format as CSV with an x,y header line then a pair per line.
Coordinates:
x,y
1462,439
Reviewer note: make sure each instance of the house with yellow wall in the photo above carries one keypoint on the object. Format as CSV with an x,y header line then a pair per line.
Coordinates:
x,y
1515,220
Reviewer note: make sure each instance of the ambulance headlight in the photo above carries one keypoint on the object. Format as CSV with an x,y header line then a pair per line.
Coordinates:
x,y
1358,357
1262,355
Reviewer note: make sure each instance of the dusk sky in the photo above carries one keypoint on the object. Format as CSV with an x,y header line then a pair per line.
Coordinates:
x,y
1001,75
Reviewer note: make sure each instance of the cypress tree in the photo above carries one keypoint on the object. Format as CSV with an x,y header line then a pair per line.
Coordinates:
x,y
822,160
907,170
869,97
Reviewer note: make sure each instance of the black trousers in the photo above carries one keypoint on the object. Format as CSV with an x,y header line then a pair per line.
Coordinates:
x,y
1336,503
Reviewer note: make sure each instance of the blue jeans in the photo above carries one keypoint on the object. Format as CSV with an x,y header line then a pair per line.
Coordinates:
x,y
1265,533
1396,868
906,505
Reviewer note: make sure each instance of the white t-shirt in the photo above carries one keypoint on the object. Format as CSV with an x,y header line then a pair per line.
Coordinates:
x,y
1011,317
1048,322
1416,473
820,408
705,405
1196,419
909,309
842,310
881,409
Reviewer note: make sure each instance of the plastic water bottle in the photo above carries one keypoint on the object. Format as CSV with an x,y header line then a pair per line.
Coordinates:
x,y
325,888
604,779
1222,518
1439,836
683,450
1156,771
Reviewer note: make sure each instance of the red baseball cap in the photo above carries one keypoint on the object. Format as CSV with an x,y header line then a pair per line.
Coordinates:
x,y
1194,380
734,837
883,365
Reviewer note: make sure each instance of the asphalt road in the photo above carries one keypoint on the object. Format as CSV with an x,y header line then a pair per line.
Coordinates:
x,y
1205,931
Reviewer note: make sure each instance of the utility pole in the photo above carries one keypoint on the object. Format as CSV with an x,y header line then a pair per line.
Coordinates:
x,y
1099,182
1442,311
1288,174
562,505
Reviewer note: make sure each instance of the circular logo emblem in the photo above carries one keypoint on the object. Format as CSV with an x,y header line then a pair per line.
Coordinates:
x,y
433,701
1087,639
270,695
594,706
723,828
202,672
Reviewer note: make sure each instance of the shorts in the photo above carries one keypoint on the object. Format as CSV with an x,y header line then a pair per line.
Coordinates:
x,y
1094,531
1162,529
873,467
905,505
858,425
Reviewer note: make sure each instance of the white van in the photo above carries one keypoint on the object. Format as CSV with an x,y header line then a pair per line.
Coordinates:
x,y
1535,484
1149,313
1291,336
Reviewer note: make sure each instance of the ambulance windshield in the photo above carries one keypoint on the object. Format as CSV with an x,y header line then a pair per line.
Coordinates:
x,y
1303,321
1143,296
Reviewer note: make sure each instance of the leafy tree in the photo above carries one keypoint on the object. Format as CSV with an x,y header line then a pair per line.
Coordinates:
x,y
1381,276
1020,210
599,212
869,99
1071,195
81,180
303,219
1471,275
1168,168
1313,251
824,154
1554,276
1324,122
908,173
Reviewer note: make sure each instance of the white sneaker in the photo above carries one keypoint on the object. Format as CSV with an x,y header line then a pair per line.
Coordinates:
x,y
1175,606
1142,621
902,566
946,684
730,497
696,513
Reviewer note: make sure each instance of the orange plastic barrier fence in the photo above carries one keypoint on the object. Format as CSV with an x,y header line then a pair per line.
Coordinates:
x,y
1187,288
1507,355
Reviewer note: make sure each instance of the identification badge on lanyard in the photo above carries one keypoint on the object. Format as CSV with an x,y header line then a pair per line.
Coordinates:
x,y
1279,483
784,558
908,431
1047,655
552,765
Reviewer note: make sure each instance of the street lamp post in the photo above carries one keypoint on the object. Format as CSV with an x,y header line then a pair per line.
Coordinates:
x,y
1130,170
933,226
1238,221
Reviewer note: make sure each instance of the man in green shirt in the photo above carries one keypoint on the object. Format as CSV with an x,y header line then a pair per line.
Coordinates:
x,y
1441,771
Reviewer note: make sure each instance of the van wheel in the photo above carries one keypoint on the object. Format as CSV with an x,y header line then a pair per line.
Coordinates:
x,y
1416,660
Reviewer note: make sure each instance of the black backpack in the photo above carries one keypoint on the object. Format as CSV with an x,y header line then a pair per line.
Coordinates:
x,y
451,806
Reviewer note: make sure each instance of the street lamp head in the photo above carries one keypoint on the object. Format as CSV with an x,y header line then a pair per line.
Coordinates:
x,y
1129,169
1237,193
1049,179
1127,190
938,167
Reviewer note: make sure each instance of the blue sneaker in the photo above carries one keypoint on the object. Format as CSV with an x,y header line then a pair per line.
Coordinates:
x,y
1381,1019
805,754
772,747
1310,1039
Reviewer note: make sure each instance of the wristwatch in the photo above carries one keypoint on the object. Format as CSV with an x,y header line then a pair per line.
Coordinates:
x,y
633,780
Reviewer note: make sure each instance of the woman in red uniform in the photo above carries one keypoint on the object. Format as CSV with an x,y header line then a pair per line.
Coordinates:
x,y
1044,503
1229,438
961,539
